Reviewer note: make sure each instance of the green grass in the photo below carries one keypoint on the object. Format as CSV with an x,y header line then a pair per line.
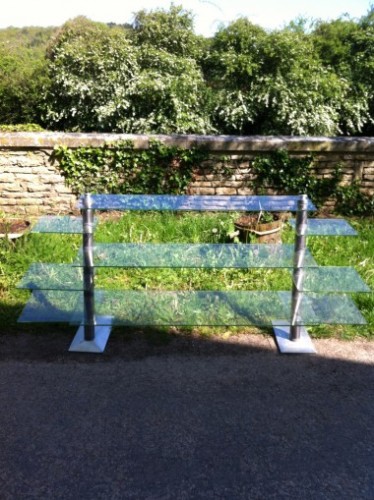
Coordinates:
x,y
15,258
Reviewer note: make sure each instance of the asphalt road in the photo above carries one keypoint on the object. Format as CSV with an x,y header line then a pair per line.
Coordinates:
x,y
190,419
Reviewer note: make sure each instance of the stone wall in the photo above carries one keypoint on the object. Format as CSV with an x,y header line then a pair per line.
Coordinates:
x,y
31,184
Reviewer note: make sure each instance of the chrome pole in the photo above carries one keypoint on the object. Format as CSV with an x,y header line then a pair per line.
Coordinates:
x,y
88,269
298,269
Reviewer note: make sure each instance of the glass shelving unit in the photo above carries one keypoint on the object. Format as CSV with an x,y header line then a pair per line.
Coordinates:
x,y
67,292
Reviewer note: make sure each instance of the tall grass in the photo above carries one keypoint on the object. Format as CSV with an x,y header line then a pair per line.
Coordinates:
x,y
166,227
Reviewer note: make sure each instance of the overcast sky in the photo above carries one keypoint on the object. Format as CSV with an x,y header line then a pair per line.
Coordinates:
x,y
209,14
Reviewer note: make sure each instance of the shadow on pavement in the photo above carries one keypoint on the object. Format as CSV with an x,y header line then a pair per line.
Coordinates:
x,y
181,418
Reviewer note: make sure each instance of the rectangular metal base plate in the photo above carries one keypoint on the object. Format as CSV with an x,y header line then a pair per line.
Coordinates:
x,y
98,344
303,345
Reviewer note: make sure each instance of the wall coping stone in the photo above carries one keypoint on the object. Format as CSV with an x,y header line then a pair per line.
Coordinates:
x,y
213,143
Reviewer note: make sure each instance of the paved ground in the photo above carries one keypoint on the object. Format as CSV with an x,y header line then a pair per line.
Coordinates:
x,y
187,419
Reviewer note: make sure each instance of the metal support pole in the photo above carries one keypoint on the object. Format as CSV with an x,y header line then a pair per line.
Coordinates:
x,y
90,337
88,270
294,339
298,270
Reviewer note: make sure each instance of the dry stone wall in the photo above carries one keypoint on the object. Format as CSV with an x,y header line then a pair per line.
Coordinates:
x,y
236,177
31,184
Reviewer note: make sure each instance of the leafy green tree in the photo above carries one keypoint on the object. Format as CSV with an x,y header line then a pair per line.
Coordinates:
x,y
362,63
171,31
23,74
333,41
232,68
103,81
236,54
345,46
305,96
170,95
93,69
275,83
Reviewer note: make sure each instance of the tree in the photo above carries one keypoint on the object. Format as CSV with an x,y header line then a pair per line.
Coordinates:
x,y
304,96
23,74
275,83
345,46
333,41
171,31
102,81
232,68
235,55
93,69
169,95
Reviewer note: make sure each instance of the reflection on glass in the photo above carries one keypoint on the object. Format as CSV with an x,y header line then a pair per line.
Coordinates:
x,y
146,308
333,279
59,224
326,309
51,306
185,202
52,277
196,256
202,308
328,227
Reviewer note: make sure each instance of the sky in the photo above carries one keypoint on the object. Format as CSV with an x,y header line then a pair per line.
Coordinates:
x,y
209,14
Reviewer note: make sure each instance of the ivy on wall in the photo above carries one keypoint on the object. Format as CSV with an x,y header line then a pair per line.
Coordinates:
x,y
120,169
350,200
296,175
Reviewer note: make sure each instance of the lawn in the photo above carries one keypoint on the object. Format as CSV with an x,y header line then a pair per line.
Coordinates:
x,y
166,227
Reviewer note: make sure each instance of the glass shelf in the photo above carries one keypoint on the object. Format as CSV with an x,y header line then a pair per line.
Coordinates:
x,y
146,308
188,203
200,308
326,309
195,256
333,279
327,227
52,277
207,308
63,224
51,306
